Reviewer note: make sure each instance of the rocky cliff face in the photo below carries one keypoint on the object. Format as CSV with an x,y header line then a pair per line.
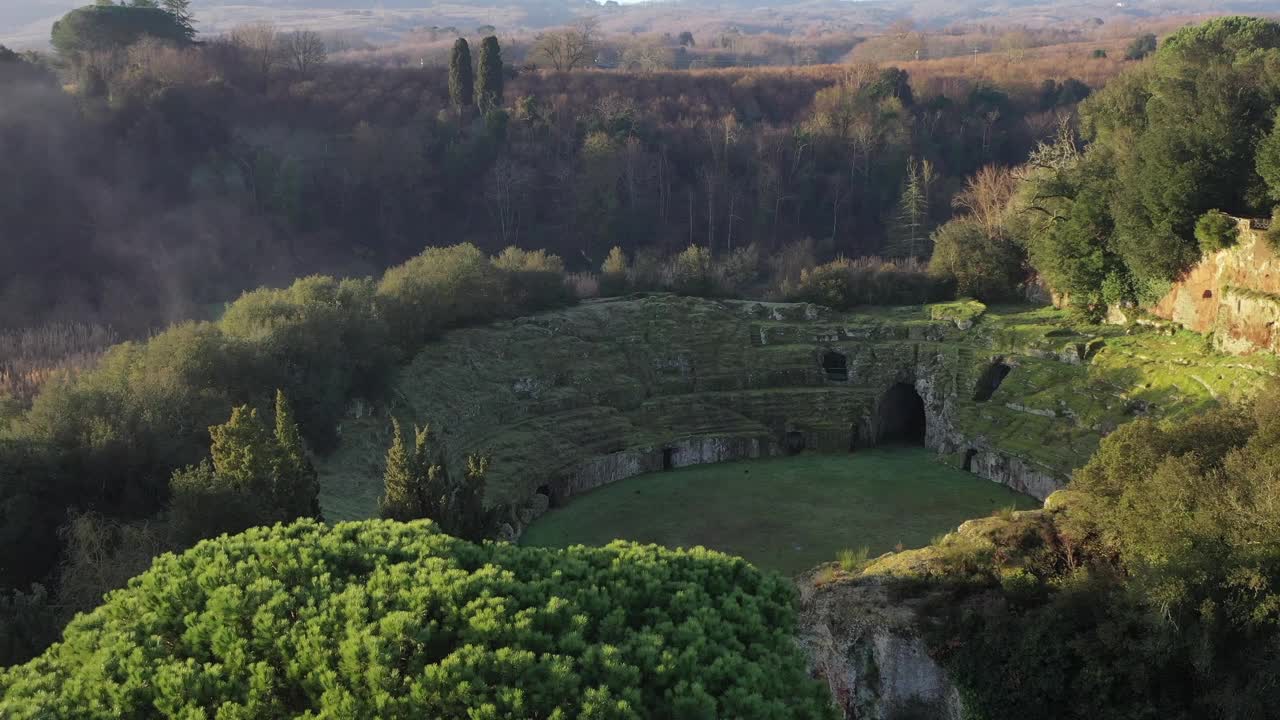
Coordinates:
x,y
1233,294
866,647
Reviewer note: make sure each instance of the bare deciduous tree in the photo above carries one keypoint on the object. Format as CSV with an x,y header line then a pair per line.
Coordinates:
x,y
504,188
986,196
647,57
571,47
260,43
303,50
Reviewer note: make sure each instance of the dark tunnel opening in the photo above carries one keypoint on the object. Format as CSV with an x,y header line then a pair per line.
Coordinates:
x,y
901,416
990,380
546,490
836,366
795,443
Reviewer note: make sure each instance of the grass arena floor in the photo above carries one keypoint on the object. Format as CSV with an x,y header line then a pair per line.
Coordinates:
x,y
784,514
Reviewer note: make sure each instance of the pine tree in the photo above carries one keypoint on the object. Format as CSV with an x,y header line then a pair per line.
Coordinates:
x,y
461,79
181,11
297,488
911,230
400,497
489,82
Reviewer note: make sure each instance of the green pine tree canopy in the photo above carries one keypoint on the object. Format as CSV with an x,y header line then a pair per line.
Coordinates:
x,y
395,620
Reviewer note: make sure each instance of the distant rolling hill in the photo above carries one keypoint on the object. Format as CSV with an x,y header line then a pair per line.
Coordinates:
x,y
26,24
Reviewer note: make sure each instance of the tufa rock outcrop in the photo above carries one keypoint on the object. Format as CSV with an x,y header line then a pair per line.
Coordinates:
x,y
866,647
1233,294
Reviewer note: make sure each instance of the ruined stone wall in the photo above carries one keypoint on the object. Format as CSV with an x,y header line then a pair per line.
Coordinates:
x,y
566,401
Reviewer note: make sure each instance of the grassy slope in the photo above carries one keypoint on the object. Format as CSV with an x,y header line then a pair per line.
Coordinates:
x,y
785,514
1055,412
545,393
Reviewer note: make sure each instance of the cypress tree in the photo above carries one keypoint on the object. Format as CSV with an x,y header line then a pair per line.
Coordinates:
x,y
416,486
297,488
398,498
411,482
427,475
489,83
461,80
468,516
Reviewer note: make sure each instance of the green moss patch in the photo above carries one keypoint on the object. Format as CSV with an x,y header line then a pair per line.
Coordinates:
x,y
961,312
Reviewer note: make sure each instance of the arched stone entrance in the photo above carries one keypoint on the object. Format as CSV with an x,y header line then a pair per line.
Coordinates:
x,y
900,416
991,378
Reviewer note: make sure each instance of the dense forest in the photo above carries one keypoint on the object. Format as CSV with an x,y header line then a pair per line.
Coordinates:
x,y
173,176
156,178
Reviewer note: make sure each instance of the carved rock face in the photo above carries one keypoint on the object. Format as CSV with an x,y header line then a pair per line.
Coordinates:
x,y
1233,294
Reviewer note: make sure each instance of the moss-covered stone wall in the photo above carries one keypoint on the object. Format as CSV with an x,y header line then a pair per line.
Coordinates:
x,y
568,400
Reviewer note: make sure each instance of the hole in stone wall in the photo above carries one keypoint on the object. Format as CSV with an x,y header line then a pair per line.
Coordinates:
x,y
795,442
546,490
668,458
968,459
836,365
991,379
901,416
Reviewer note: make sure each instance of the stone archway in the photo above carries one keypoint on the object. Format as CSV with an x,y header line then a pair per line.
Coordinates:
x,y
991,378
900,416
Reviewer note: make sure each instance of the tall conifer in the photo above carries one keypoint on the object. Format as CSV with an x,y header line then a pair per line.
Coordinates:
x,y
489,82
181,11
461,78
244,454
297,487
398,501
